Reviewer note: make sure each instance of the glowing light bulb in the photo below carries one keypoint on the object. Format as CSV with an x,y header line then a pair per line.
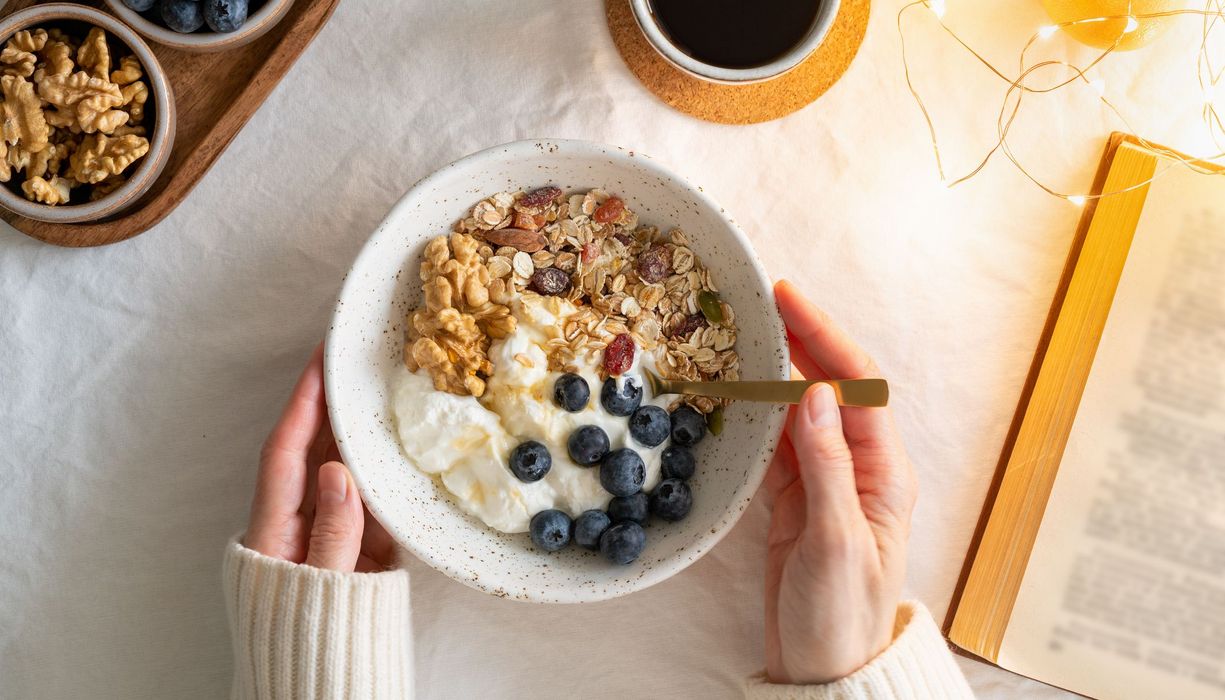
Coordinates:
x,y
1047,31
1077,199
938,8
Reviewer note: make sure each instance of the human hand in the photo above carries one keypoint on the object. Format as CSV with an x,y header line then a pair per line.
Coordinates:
x,y
306,507
841,490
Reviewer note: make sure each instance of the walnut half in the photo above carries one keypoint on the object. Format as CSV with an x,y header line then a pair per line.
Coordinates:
x,y
100,156
87,100
53,191
23,114
67,124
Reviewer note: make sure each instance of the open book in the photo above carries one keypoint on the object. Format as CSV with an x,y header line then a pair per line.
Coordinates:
x,y
1099,565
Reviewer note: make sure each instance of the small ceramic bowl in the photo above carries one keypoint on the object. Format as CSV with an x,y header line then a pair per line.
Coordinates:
x,y
264,18
365,345
827,11
160,109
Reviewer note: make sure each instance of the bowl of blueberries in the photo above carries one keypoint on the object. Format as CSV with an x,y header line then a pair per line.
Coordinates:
x,y
201,25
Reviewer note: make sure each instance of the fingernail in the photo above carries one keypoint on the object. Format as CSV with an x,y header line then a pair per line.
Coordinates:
x,y
332,484
821,407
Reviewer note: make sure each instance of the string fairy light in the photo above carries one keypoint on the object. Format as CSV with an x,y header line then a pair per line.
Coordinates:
x,y
1209,74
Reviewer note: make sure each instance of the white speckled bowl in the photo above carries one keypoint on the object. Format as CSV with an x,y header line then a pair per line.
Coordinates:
x,y
364,345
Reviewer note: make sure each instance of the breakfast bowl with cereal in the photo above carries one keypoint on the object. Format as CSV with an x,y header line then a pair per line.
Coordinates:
x,y
486,371
88,114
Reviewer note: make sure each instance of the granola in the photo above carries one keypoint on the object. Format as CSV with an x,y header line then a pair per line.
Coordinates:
x,y
587,248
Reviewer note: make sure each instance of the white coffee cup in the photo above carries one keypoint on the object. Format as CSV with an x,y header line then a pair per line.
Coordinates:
x,y
659,40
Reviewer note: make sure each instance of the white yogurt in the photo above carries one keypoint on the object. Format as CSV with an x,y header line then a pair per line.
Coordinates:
x,y
467,442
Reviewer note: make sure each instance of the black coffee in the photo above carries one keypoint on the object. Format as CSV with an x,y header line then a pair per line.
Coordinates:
x,y
736,33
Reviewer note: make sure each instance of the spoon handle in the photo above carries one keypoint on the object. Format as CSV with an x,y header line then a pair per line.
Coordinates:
x,y
849,392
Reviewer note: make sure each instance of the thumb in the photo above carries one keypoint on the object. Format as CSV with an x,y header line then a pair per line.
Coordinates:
x,y
825,463
336,535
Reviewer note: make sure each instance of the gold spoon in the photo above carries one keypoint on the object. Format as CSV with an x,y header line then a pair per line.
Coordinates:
x,y
873,393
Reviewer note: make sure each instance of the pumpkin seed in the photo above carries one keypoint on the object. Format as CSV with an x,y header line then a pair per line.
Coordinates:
x,y
714,421
711,308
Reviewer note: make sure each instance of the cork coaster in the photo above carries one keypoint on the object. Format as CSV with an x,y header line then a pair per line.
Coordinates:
x,y
741,104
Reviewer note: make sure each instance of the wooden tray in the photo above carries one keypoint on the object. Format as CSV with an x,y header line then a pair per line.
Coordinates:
x,y
215,94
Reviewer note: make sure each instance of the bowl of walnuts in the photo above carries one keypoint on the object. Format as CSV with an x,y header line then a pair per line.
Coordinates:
x,y
88,114
201,25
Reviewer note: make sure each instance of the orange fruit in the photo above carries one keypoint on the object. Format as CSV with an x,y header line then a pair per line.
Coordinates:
x,y
1103,34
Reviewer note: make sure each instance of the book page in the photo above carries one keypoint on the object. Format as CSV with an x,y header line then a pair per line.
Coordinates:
x,y
1124,593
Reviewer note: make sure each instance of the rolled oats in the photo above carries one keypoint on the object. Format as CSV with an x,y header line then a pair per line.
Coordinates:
x,y
682,260
515,236
566,262
523,265
499,266
543,258
630,307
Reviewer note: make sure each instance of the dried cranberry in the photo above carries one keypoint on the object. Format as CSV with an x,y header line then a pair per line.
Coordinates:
x,y
609,211
591,251
549,281
688,325
540,198
619,355
626,239
654,264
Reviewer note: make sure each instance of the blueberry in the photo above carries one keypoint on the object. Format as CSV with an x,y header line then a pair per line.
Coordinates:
x,y
571,392
623,542
671,500
636,508
530,461
139,5
183,16
649,425
550,530
677,463
622,472
225,15
623,401
688,427
588,527
588,445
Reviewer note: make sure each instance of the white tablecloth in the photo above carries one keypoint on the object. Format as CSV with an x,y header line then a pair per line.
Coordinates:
x,y
137,381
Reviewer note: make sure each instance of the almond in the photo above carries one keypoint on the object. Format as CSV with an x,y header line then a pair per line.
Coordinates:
x,y
517,238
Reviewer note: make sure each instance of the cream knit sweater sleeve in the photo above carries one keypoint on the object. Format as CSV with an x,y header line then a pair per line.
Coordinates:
x,y
305,633
302,632
917,666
